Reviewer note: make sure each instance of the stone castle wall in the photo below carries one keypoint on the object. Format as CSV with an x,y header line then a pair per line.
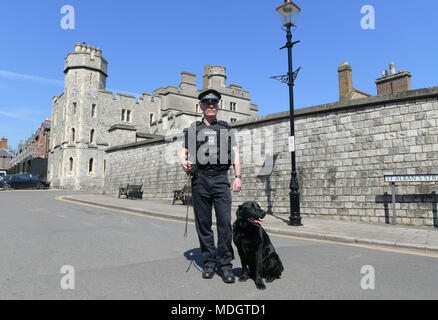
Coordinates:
x,y
344,150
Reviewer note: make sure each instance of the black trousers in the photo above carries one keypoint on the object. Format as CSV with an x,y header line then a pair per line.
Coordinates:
x,y
207,192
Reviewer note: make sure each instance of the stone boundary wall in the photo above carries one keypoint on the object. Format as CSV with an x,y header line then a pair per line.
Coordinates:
x,y
344,150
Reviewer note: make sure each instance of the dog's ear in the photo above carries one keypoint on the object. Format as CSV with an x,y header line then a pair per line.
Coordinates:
x,y
238,210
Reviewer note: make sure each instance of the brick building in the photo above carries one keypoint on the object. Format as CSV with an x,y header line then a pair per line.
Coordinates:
x,y
32,155
6,155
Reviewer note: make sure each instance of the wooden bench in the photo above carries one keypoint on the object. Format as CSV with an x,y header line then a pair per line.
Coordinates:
x,y
182,195
131,191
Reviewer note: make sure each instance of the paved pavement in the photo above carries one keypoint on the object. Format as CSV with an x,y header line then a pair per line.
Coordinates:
x,y
422,238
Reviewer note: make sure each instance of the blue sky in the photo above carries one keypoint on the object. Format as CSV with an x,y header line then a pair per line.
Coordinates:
x,y
148,44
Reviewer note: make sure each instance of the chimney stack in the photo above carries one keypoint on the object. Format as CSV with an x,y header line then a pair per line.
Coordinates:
x,y
392,68
188,82
395,82
345,80
4,143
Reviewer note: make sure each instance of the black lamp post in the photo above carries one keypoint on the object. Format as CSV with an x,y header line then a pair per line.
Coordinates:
x,y
289,12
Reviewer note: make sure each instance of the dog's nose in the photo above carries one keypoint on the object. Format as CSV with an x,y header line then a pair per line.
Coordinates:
x,y
262,214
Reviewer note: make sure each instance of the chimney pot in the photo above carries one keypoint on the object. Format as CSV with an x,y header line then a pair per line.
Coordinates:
x,y
392,68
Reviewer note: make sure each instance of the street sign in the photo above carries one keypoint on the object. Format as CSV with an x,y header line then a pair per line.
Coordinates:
x,y
412,178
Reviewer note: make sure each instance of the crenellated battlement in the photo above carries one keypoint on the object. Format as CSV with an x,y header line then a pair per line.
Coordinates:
x,y
214,76
84,48
86,64
215,70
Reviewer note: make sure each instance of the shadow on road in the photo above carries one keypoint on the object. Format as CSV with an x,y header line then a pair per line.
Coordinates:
x,y
195,258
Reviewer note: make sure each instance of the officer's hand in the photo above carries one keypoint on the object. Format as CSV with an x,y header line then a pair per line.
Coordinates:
x,y
237,185
187,166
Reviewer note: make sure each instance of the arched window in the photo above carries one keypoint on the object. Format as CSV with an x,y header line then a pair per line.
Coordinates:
x,y
92,136
73,135
90,166
70,165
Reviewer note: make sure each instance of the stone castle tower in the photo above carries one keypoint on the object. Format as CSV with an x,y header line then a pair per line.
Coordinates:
x,y
79,156
87,119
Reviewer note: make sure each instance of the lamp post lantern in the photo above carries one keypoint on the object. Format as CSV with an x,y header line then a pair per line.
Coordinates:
x,y
289,12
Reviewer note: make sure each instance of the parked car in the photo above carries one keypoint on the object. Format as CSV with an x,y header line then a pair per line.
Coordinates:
x,y
23,181
2,174
4,183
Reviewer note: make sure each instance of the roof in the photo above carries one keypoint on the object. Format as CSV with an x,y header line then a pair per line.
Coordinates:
x,y
46,125
4,153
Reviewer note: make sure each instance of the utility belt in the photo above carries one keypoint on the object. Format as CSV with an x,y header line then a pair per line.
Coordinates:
x,y
211,173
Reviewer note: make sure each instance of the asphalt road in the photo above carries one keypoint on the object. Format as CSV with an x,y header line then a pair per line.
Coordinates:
x,y
117,255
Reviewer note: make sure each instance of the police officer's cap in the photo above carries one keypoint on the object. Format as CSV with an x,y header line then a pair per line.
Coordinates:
x,y
210,95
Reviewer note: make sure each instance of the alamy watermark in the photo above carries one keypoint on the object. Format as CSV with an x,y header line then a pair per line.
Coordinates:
x,y
68,20
368,281
256,148
368,21
68,281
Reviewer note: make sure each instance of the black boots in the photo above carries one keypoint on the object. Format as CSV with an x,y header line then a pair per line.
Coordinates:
x,y
228,276
208,271
226,273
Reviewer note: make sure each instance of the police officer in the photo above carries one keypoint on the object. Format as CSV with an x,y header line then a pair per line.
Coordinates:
x,y
211,146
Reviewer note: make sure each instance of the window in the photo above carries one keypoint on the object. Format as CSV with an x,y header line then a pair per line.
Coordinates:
x,y
151,118
74,108
233,120
70,165
93,110
91,79
90,166
92,136
232,106
197,108
104,166
126,115
73,135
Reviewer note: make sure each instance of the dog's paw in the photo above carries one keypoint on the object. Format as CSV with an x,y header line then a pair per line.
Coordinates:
x,y
243,278
260,285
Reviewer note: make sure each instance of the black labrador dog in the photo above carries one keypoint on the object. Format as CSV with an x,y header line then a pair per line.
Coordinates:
x,y
255,248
